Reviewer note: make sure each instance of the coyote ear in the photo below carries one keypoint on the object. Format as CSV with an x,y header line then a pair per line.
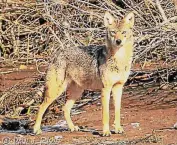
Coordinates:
x,y
129,19
108,19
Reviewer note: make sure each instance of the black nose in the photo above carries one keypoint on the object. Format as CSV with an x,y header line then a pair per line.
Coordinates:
x,y
118,41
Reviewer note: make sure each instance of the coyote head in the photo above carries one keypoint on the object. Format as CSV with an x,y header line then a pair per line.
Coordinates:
x,y
118,33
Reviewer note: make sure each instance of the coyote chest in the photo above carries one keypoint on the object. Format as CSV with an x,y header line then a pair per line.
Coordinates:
x,y
117,68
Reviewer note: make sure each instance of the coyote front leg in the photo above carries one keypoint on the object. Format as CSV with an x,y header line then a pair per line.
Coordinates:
x,y
105,94
117,95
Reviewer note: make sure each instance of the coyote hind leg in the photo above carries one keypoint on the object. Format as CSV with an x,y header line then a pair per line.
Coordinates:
x,y
54,88
75,92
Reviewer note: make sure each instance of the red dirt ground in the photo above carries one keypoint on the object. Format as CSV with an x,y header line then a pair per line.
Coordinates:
x,y
155,116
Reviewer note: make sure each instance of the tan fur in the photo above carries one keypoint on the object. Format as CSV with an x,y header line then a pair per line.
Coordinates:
x,y
92,67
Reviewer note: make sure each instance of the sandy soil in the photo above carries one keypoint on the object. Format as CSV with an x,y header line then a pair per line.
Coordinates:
x,y
146,118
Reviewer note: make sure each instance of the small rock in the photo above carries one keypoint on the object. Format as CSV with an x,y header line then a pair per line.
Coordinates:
x,y
175,125
62,123
135,125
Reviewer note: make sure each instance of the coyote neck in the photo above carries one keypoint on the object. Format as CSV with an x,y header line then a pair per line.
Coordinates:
x,y
120,53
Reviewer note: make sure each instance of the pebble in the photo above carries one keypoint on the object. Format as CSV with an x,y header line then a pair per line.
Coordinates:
x,y
175,125
58,137
135,125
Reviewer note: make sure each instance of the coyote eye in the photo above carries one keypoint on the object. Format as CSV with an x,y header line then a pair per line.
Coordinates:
x,y
113,32
124,32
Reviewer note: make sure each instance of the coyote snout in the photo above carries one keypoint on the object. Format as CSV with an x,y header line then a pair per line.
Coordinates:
x,y
93,67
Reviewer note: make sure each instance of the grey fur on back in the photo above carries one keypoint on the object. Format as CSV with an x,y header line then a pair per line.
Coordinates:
x,y
82,63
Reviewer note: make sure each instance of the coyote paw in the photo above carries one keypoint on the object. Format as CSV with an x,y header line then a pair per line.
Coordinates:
x,y
106,133
74,128
37,131
119,130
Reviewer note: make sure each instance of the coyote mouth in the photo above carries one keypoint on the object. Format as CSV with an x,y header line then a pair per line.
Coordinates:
x,y
118,46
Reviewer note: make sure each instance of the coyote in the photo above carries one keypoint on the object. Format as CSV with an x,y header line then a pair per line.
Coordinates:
x,y
104,68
